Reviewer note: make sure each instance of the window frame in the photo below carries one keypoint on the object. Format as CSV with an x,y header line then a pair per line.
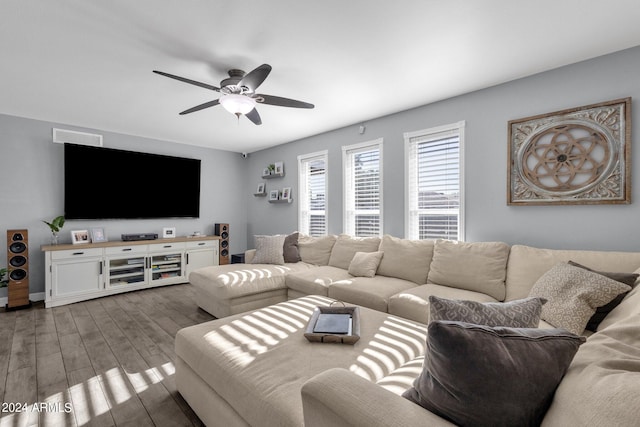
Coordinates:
x,y
302,190
347,151
434,134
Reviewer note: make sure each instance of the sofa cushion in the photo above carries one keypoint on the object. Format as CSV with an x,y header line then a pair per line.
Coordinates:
x,y
476,375
406,259
225,282
414,303
346,247
573,295
316,281
365,264
526,265
316,250
269,249
477,266
602,385
290,249
602,311
373,292
523,313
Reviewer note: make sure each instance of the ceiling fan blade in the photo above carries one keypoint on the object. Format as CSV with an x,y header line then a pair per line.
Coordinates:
x,y
282,102
254,117
254,78
201,106
185,80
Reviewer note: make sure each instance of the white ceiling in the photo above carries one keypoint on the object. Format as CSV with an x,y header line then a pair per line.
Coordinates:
x,y
88,63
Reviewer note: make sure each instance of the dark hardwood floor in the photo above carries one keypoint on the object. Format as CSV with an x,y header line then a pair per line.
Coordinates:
x,y
105,362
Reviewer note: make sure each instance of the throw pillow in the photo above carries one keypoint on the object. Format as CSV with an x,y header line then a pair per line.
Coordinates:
x,y
365,264
290,248
269,249
475,375
602,311
573,294
523,313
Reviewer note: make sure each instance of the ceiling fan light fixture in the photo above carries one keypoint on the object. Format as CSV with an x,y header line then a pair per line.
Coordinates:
x,y
237,104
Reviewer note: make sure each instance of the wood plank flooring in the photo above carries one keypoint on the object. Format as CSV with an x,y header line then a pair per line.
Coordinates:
x,y
104,362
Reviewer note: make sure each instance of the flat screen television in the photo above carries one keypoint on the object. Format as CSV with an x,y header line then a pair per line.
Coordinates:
x,y
105,183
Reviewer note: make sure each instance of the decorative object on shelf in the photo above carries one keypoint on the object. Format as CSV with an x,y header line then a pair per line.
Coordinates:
x,y
79,236
266,172
286,193
3,281
279,168
98,235
261,190
55,225
575,156
272,169
168,232
274,195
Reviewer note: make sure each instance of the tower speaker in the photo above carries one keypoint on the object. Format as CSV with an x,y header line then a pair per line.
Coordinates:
x,y
222,230
18,267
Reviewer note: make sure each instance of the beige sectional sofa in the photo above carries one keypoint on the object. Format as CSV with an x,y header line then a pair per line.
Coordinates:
x,y
254,367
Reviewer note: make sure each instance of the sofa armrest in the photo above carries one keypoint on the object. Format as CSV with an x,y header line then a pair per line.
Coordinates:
x,y
338,397
248,255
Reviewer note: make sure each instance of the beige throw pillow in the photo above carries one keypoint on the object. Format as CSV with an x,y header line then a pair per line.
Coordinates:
x,y
573,294
269,250
365,264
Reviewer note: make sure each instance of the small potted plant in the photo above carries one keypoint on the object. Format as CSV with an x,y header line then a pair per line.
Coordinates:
x,y
55,225
272,169
3,281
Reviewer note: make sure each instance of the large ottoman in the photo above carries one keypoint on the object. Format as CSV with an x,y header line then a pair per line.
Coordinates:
x,y
248,369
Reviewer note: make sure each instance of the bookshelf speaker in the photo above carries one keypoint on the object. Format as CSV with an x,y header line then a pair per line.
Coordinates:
x,y
222,230
18,268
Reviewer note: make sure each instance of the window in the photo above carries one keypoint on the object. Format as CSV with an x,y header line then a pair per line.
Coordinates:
x,y
434,183
363,188
312,200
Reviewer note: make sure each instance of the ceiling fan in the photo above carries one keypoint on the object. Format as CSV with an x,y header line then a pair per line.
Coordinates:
x,y
239,93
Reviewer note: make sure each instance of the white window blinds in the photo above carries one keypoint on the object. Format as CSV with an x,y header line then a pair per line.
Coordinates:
x,y
434,183
312,200
363,189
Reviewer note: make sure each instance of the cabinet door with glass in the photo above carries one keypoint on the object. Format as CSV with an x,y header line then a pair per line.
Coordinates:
x,y
167,263
126,267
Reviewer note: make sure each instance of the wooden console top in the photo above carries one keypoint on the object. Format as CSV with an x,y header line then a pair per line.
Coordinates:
x,y
123,243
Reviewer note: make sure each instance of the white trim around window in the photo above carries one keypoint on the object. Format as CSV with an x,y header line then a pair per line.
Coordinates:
x,y
362,188
434,183
313,183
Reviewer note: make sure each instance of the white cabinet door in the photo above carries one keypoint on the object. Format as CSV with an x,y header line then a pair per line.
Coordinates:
x,y
75,274
201,254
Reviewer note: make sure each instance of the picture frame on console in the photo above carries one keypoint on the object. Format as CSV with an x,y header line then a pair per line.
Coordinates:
x,y
79,236
274,195
98,235
168,232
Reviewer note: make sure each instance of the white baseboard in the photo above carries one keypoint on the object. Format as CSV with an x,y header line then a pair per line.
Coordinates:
x,y
37,296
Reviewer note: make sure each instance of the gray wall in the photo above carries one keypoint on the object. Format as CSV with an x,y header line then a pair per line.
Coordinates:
x,y
486,112
31,178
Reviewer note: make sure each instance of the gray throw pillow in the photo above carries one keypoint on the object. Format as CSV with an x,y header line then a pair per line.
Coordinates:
x,y
602,311
290,248
523,313
475,375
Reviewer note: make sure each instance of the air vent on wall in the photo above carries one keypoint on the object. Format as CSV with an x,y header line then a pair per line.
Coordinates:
x,y
81,138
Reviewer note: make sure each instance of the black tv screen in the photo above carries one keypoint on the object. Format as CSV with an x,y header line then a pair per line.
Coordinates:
x,y
105,183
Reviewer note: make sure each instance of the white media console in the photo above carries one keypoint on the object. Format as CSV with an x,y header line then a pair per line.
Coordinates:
x,y
80,272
